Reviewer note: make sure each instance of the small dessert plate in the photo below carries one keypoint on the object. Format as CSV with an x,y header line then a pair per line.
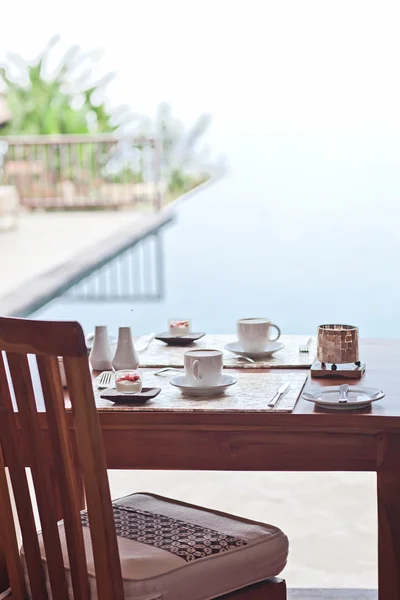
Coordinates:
x,y
181,382
178,340
139,398
357,397
269,349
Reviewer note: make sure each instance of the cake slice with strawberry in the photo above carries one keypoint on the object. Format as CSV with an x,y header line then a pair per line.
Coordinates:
x,y
128,382
179,327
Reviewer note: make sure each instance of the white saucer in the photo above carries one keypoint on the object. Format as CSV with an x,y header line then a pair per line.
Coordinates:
x,y
269,349
358,397
180,382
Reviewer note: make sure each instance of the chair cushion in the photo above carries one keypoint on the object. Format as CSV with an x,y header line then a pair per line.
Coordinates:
x,y
175,551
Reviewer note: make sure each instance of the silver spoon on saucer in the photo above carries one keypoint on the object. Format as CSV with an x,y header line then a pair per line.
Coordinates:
x,y
343,389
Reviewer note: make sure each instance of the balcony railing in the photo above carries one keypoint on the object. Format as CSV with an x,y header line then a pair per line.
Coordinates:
x,y
82,171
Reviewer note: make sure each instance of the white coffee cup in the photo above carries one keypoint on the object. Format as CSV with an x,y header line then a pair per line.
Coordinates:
x,y
203,367
253,333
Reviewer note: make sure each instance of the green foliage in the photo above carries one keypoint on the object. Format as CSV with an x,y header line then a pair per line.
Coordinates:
x,y
181,150
65,101
127,174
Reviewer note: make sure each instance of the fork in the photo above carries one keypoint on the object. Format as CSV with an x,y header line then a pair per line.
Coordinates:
x,y
105,379
305,347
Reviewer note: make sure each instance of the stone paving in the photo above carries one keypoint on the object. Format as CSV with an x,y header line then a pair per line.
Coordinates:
x,y
47,242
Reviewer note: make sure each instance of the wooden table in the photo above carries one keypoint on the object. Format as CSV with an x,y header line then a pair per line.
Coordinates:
x,y
305,440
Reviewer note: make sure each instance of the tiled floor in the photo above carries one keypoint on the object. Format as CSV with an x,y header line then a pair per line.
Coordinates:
x,y
43,241
329,518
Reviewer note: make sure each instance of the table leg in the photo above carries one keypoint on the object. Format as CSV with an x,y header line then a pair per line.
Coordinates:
x,y
388,482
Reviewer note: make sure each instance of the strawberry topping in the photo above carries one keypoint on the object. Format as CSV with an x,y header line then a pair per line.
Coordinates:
x,y
129,377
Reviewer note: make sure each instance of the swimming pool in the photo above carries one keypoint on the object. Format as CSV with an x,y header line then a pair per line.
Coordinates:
x,y
304,230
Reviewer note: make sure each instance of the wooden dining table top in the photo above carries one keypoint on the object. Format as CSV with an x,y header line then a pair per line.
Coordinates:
x,y
382,359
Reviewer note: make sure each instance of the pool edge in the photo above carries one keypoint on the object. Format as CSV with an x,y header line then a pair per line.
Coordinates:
x,y
34,293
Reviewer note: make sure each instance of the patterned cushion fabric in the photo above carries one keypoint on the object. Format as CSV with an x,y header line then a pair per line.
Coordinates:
x,y
175,551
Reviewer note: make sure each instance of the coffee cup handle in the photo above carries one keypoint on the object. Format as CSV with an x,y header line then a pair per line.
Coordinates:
x,y
196,370
278,331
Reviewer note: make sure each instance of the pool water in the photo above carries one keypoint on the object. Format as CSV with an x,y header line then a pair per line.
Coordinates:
x,y
303,230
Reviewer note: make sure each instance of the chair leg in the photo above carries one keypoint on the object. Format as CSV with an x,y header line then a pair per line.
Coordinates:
x,y
270,589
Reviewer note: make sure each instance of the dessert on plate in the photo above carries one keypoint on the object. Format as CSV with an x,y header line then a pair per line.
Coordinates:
x,y
179,327
128,382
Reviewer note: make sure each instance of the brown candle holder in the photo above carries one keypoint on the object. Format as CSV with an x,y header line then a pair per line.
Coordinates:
x,y
338,345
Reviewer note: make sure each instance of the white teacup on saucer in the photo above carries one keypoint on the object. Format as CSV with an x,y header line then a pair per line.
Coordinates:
x,y
203,367
254,333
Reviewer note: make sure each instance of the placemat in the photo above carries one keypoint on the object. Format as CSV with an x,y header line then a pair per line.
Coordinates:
x,y
252,392
160,355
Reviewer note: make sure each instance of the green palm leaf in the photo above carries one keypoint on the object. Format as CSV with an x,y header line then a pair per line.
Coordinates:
x,y
42,104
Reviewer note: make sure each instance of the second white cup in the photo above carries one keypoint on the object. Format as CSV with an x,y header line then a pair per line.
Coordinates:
x,y
253,334
203,367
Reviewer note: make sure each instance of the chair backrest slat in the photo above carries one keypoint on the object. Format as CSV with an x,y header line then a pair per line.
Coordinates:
x,y
66,471
7,535
48,341
13,454
44,491
93,464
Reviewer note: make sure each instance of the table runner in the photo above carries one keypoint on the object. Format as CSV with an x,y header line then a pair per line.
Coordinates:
x,y
160,355
252,392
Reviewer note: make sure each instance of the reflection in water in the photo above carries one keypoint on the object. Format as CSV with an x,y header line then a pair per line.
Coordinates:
x,y
135,275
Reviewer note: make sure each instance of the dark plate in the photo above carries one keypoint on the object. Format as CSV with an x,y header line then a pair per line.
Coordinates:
x,y
179,340
145,395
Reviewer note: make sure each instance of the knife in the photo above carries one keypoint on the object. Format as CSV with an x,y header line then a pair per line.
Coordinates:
x,y
281,390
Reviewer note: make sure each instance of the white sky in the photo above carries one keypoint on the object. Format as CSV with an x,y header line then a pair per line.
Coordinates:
x,y
267,65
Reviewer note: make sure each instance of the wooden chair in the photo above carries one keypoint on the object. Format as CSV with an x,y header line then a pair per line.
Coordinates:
x,y
52,456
